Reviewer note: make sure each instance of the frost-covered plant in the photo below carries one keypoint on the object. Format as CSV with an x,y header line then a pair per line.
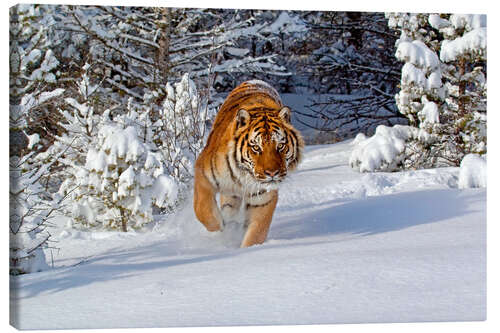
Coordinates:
x,y
463,53
182,128
79,125
32,95
34,68
31,207
139,48
443,93
388,149
422,93
120,168
121,181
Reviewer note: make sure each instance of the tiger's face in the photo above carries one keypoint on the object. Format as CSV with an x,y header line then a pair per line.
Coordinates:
x,y
266,145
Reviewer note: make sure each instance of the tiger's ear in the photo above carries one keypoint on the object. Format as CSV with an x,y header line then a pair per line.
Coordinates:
x,y
242,118
285,113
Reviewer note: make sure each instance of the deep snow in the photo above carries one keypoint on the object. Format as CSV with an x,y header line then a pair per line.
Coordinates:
x,y
344,247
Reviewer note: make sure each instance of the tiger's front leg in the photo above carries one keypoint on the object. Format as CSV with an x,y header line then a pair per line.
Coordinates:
x,y
258,216
205,204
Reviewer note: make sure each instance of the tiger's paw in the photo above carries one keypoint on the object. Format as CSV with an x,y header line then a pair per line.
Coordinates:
x,y
217,226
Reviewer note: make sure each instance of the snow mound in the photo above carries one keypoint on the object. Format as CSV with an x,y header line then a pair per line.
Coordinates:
x,y
381,152
473,172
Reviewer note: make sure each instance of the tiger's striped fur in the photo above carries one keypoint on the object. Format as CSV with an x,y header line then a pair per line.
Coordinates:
x,y
250,150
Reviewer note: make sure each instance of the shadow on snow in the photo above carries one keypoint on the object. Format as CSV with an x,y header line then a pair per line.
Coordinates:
x,y
376,214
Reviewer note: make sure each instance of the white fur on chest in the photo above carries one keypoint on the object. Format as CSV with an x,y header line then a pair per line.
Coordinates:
x,y
235,181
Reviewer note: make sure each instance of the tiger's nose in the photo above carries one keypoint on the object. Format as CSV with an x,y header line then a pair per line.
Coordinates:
x,y
271,173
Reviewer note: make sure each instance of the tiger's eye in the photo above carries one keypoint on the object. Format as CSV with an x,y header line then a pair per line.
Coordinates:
x,y
255,149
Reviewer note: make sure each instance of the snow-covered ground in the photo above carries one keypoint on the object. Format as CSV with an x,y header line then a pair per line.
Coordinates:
x,y
344,247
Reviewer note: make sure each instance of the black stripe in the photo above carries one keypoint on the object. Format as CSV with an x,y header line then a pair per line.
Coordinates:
x,y
258,193
266,125
231,173
275,122
260,205
293,135
295,141
262,108
257,128
242,148
234,157
237,138
213,173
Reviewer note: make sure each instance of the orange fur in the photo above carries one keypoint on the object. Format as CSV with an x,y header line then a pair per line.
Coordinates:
x,y
250,150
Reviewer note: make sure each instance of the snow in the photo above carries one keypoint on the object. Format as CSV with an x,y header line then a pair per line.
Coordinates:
x,y
119,143
237,52
417,53
430,113
344,247
472,41
412,74
383,151
285,22
468,21
473,171
437,22
33,140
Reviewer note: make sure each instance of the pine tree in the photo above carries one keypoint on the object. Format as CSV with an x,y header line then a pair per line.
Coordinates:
x,y
422,96
443,86
463,52
443,95
122,179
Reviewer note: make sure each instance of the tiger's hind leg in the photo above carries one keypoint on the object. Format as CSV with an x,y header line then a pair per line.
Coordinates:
x,y
229,206
258,217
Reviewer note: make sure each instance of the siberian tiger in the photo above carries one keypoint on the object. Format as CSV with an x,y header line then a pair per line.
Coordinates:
x,y
251,148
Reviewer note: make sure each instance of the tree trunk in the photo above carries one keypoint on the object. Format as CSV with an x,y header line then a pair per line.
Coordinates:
x,y
124,220
461,88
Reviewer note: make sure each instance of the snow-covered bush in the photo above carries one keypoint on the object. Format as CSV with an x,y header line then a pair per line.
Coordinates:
x,y
29,215
473,171
121,181
181,131
31,207
79,125
33,94
119,168
386,150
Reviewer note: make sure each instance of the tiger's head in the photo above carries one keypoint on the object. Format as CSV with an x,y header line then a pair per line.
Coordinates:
x,y
266,145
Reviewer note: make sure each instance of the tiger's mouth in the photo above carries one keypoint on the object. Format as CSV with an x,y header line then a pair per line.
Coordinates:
x,y
270,180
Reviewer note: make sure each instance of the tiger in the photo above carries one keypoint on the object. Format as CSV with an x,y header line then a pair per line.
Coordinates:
x,y
251,148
